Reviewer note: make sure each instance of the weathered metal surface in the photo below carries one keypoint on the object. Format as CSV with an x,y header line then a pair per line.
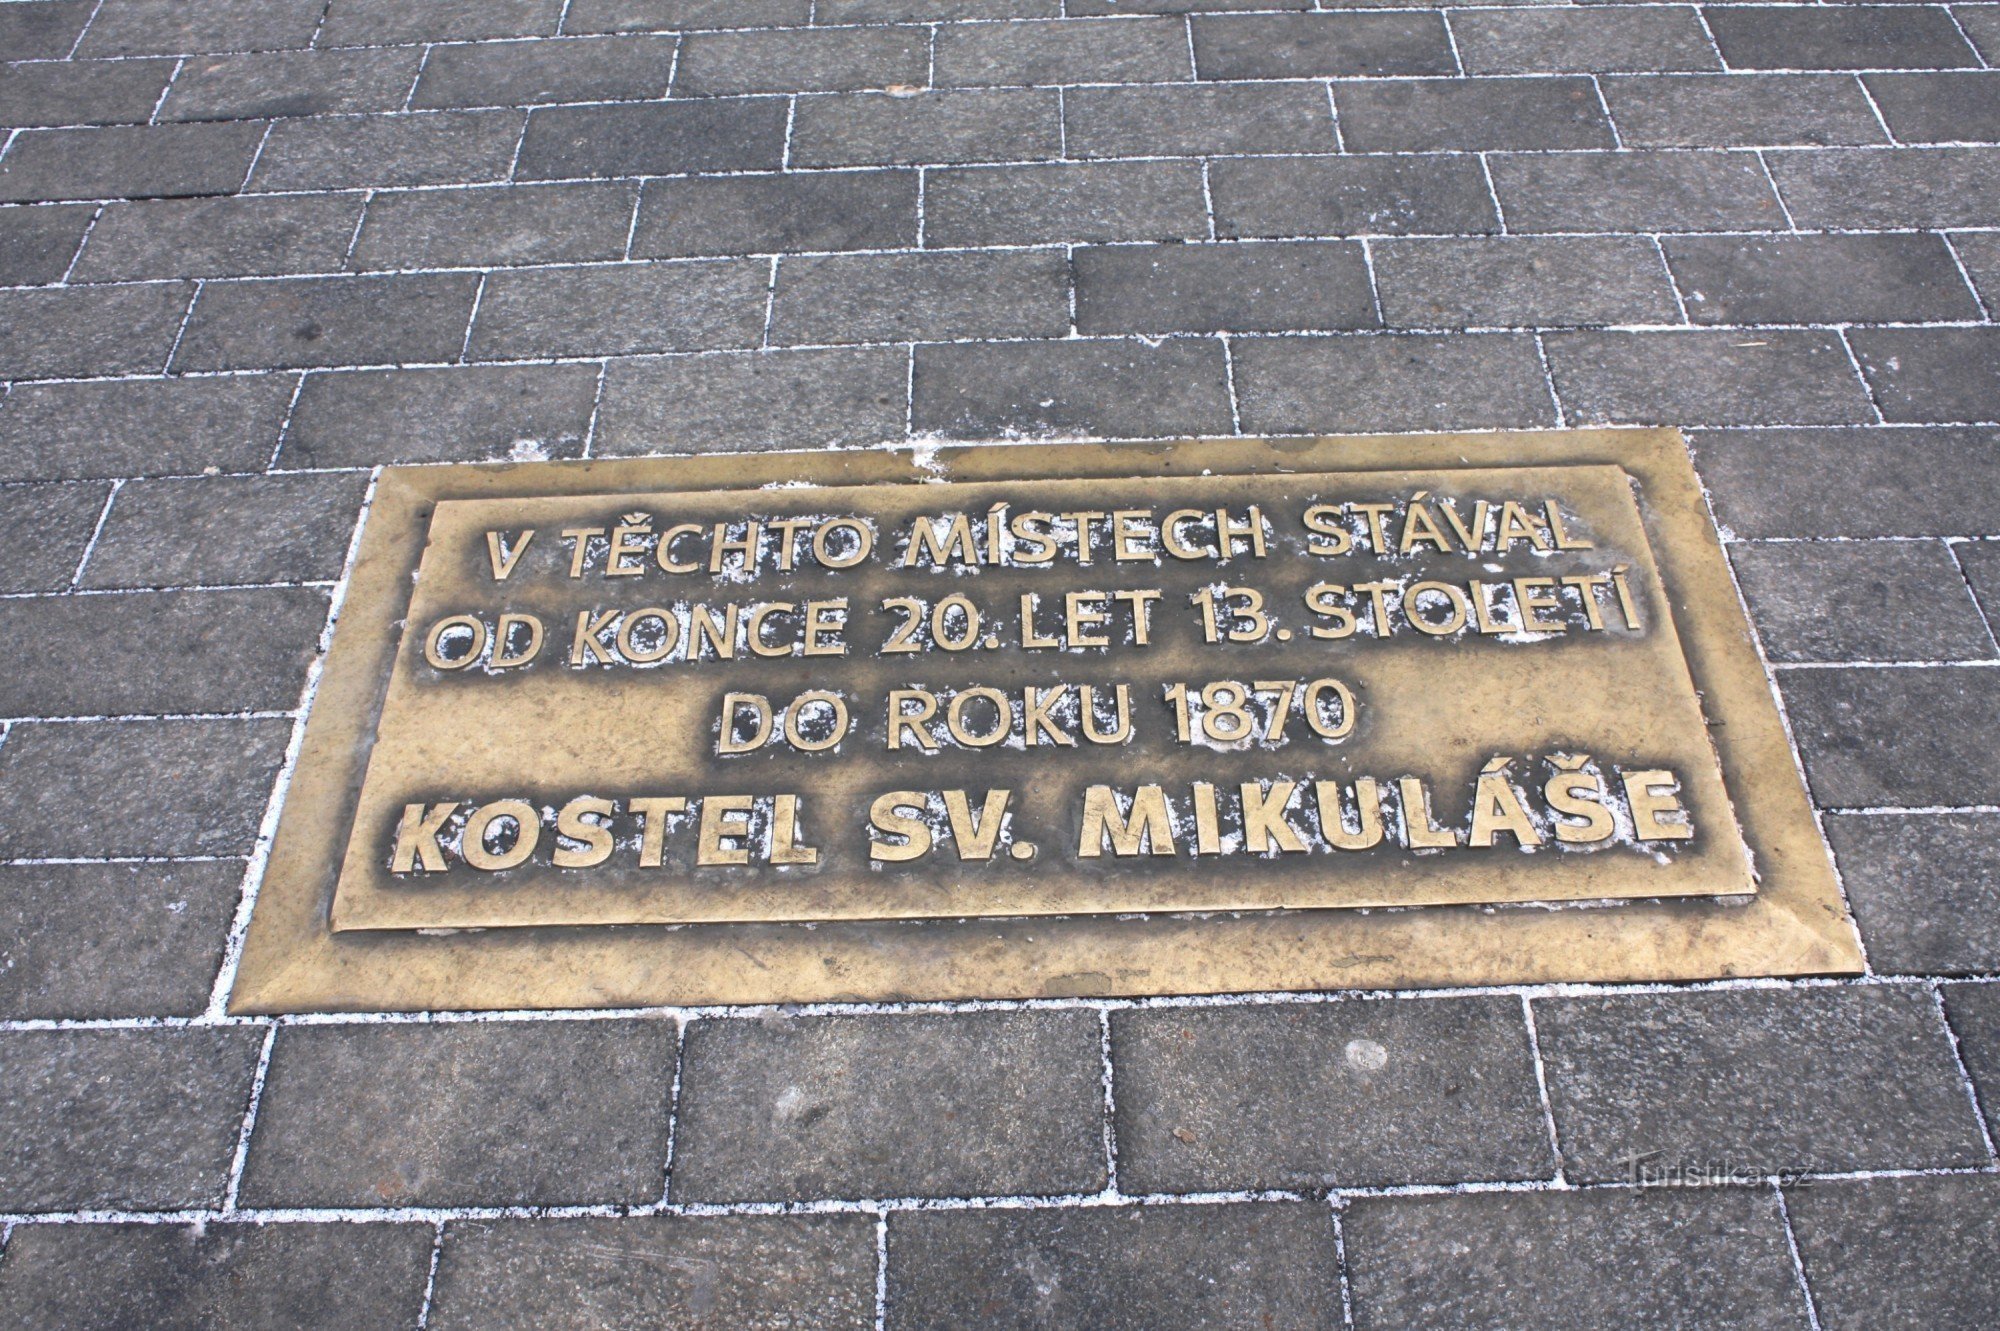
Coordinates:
x,y
1089,884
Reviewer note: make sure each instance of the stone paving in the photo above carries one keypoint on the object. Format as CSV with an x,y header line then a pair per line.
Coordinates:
x,y
252,249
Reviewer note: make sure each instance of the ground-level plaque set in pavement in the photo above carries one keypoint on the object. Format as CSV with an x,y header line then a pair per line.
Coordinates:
x,y
1040,720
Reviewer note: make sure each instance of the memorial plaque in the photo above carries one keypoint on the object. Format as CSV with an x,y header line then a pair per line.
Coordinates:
x,y
1029,720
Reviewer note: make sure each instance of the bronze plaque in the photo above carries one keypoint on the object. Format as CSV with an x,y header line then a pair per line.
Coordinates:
x,y
1014,720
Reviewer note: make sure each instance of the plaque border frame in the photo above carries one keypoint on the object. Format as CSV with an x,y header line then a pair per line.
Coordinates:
x,y
1797,924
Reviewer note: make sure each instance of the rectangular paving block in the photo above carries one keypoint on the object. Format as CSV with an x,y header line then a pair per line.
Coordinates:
x,y
57,332
753,400
1906,738
121,1119
768,214
113,940
1740,110
224,530
1340,45
921,297
388,151
1932,374
93,788
1567,40
1861,188
298,322
671,306
1522,282
1899,1251
1142,50
1326,1095
1707,377
470,413
82,92
1974,1013
1861,601
142,427
1895,481
1426,115
38,244
1352,196
42,29
1978,251
278,84
598,16
1980,561
1850,37
242,236
375,22
44,530
1924,887
482,1113
1678,1085
1939,108
1819,279
1026,205
1188,121
1107,388
747,1271
1125,1268
128,161
173,27
1572,1259
1381,382
1222,288
928,11
799,1109
1636,191
514,224
313,1277
158,652
883,129
589,69
657,138
803,60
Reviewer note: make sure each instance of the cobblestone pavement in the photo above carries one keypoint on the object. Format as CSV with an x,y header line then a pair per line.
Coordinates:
x,y
251,249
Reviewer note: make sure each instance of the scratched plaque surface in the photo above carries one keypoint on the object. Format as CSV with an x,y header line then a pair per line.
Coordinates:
x,y
1038,698
1194,717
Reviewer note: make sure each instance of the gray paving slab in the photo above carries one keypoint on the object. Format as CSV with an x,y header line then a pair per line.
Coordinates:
x,y
471,413
749,400
113,940
1920,745
223,530
65,332
817,212
1121,1269
1680,1085
1573,1259
44,532
1923,888
121,1119
37,245
1318,1096
1894,481
1861,601
802,1109
239,236
749,1271
92,789
158,653
1974,1014
454,1114
314,1277
142,427
1900,1251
